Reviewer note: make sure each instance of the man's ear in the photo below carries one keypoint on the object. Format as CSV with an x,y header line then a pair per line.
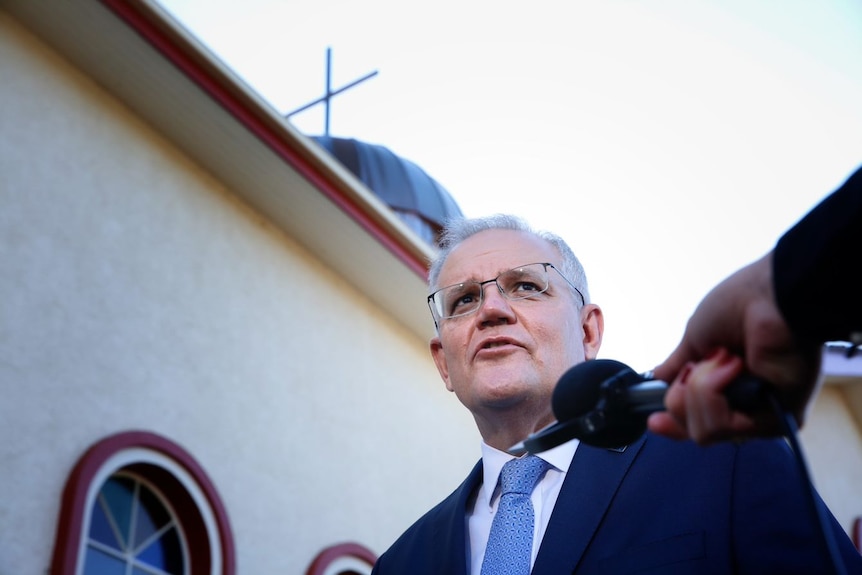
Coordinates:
x,y
439,357
593,322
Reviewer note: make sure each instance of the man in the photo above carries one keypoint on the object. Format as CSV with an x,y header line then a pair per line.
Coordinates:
x,y
513,313
776,313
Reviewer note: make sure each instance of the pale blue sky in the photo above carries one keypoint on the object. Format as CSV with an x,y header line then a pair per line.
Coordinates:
x,y
669,141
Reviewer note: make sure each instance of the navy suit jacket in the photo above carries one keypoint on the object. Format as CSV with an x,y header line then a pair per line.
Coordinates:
x,y
659,506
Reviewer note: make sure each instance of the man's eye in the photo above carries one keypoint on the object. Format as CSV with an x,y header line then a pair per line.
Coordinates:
x,y
527,286
462,301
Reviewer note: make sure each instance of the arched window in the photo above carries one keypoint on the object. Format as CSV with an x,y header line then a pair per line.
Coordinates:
x,y
138,503
343,559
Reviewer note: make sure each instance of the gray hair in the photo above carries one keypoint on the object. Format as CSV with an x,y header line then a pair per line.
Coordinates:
x,y
457,230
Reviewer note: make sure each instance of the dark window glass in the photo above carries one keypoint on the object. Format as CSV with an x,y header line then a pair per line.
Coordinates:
x,y
117,497
131,526
103,564
166,551
101,529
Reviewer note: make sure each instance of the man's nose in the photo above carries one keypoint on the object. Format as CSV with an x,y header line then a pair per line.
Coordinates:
x,y
494,303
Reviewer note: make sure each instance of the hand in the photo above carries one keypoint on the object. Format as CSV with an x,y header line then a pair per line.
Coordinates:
x,y
698,409
740,316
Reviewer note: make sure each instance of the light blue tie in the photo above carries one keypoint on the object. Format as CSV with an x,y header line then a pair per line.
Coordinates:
x,y
510,543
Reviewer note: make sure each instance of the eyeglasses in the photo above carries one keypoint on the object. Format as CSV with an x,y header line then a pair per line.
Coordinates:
x,y
515,284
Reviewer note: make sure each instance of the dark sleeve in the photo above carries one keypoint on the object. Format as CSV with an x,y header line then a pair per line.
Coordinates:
x,y
816,267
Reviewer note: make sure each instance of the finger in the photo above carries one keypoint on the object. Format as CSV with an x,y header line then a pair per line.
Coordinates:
x,y
662,423
675,362
708,415
675,398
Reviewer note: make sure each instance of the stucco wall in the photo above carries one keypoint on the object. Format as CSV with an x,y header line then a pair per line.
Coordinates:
x,y
137,293
832,442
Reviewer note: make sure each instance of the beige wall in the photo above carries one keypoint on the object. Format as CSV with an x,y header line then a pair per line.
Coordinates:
x,y
140,294
832,442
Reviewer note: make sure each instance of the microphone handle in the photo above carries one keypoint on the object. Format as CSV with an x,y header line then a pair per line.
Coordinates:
x,y
747,393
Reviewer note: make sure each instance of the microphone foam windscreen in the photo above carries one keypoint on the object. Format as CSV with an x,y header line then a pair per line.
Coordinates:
x,y
579,389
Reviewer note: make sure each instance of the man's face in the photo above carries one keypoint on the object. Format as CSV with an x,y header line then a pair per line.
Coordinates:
x,y
511,352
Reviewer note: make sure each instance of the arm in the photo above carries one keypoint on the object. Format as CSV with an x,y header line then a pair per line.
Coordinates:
x,y
775,313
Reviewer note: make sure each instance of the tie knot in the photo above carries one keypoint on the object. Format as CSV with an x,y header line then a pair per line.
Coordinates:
x,y
520,475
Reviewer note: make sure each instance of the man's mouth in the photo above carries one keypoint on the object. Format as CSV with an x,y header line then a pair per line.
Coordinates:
x,y
496,343
493,344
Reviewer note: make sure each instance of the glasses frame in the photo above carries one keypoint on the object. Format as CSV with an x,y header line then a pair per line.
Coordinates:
x,y
437,318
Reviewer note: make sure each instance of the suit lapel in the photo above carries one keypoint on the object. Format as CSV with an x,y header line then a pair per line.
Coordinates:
x,y
590,484
450,534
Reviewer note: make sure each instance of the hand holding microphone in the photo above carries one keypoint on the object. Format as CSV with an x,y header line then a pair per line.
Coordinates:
x,y
741,314
605,403
700,404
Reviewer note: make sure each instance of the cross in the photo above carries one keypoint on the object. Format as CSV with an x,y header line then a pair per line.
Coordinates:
x,y
329,92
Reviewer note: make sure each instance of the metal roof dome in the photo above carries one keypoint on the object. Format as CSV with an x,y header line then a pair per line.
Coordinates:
x,y
422,203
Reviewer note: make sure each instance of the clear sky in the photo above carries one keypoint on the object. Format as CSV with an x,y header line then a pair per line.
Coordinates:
x,y
669,141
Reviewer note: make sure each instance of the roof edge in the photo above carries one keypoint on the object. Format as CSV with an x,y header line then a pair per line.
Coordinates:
x,y
184,51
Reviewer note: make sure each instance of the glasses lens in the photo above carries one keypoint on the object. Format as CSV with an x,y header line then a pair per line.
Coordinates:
x,y
524,282
458,300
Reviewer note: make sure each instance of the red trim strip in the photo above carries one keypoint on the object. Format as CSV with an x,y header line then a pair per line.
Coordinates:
x,y
857,533
226,94
329,555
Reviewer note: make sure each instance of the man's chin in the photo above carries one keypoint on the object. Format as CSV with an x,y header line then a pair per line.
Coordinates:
x,y
503,395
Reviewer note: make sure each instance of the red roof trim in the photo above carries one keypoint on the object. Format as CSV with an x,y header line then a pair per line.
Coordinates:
x,y
230,98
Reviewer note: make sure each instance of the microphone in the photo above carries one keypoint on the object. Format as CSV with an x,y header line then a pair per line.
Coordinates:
x,y
605,403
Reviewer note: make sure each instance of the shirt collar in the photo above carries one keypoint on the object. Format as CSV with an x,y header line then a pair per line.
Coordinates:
x,y
493,459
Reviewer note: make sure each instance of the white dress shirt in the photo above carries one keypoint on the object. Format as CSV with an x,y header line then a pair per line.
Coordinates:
x,y
481,510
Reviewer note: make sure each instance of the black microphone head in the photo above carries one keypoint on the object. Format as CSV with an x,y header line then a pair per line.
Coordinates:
x,y
584,400
579,389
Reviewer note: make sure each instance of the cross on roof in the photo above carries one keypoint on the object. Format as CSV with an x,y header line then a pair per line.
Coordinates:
x,y
329,92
